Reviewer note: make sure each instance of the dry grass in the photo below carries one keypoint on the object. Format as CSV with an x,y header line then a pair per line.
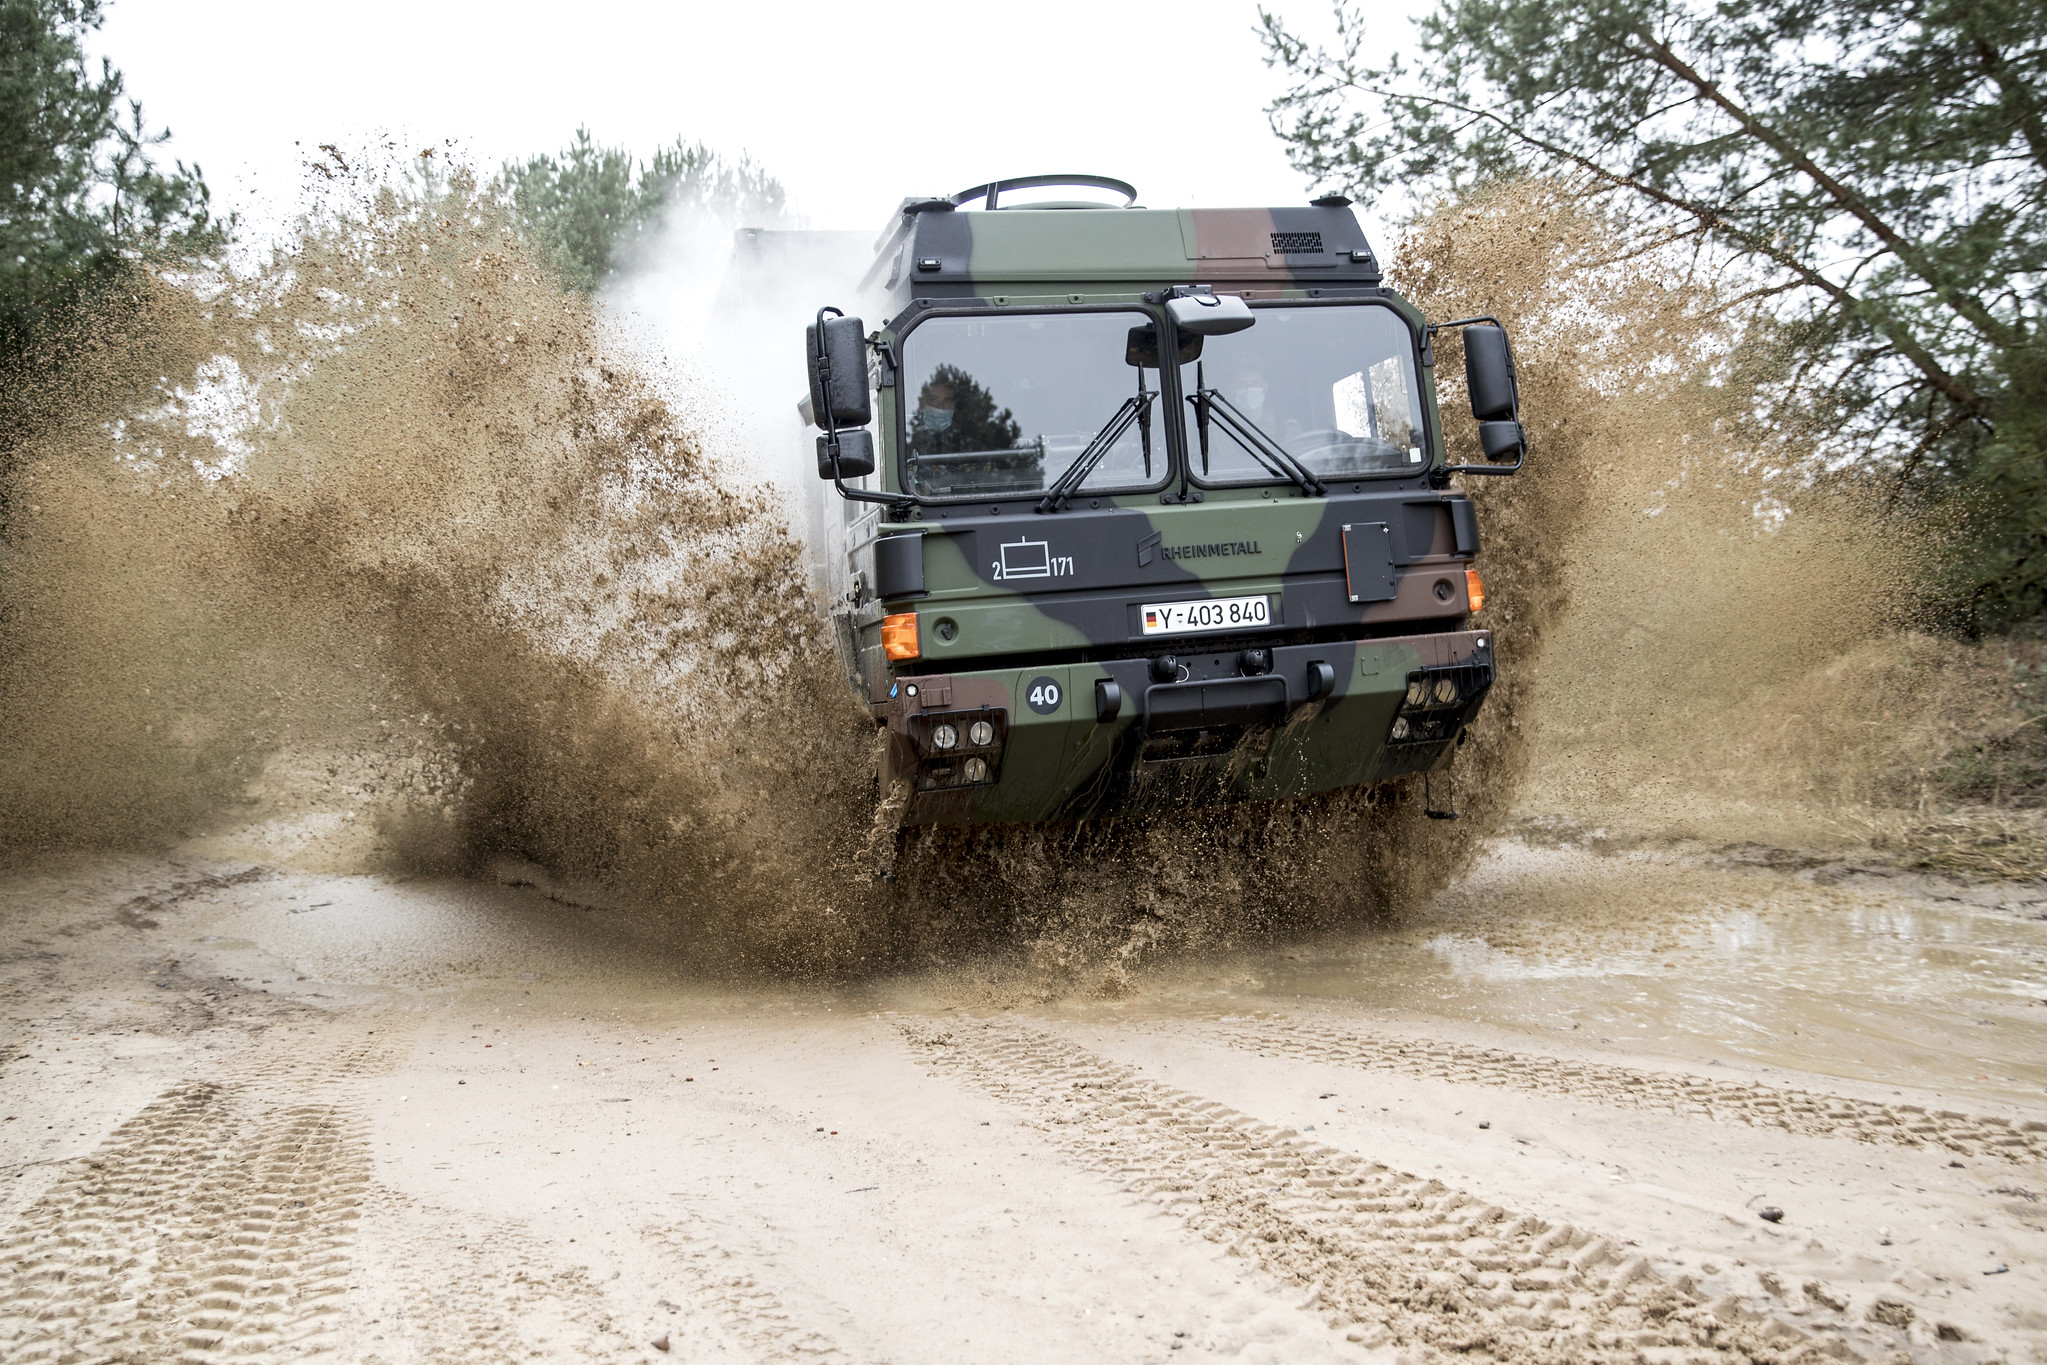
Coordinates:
x,y
1983,843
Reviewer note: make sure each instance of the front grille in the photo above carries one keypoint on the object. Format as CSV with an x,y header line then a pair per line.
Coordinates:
x,y
1296,243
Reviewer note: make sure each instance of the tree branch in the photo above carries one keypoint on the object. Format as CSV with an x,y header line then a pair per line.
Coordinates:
x,y
1851,202
2015,94
1908,345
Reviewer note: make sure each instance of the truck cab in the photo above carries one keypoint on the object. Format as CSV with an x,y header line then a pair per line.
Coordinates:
x,y
1142,507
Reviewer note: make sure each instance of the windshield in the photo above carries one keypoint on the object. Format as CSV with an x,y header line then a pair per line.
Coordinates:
x,y
996,405
1334,387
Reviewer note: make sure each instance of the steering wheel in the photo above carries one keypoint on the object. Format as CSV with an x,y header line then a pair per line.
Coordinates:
x,y
1323,438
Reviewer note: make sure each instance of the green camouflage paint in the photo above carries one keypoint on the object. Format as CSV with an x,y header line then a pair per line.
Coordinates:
x,y
1023,616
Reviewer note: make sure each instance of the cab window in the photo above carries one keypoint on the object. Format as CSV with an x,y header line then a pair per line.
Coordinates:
x,y
1333,386
1005,404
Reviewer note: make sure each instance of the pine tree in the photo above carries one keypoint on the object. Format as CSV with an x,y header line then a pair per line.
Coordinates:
x,y
82,199
591,207
1876,171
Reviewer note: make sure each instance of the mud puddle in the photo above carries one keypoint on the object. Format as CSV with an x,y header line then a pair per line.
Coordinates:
x,y
1884,980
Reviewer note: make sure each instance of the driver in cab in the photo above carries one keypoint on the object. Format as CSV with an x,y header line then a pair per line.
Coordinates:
x,y
957,415
1248,392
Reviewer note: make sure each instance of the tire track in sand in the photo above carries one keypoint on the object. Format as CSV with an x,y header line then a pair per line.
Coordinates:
x,y
1802,1112
745,1311
222,1220
454,1286
459,1287
215,1223
1393,1258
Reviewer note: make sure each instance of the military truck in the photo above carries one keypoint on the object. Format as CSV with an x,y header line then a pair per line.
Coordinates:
x,y
1148,507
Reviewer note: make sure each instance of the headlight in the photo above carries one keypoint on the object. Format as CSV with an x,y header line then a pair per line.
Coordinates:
x,y
1400,727
1446,691
944,736
977,768
1417,693
980,734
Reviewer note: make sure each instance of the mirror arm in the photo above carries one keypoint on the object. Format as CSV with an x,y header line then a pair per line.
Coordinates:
x,y
1440,477
895,502
820,382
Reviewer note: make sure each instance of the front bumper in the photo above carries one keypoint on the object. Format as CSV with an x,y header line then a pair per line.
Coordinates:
x,y
1082,739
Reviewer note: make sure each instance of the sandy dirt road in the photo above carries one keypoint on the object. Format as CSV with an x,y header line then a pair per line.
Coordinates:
x,y
258,1114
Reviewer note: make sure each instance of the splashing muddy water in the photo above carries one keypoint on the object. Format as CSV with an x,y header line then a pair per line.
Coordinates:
x,y
384,555
457,573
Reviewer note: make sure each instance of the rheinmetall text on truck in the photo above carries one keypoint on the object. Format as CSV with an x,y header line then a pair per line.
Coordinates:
x,y
1136,507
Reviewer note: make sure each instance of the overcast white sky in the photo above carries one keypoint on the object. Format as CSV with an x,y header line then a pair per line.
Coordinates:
x,y
852,106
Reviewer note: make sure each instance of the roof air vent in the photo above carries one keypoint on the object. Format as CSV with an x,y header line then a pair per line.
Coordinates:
x,y
1296,243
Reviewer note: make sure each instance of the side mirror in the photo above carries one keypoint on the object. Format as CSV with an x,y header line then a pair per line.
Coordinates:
x,y
856,455
1489,377
1501,440
1489,373
1142,347
835,353
1210,315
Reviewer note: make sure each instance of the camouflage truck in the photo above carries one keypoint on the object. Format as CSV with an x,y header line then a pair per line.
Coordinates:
x,y
1069,577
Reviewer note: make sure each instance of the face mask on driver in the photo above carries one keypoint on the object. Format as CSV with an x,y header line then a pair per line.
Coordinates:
x,y
935,419
1252,399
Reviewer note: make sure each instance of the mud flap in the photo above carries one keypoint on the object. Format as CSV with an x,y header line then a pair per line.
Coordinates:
x,y
1449,812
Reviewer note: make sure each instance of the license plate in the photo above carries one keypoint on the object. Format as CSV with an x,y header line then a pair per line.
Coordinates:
x,y
1220,613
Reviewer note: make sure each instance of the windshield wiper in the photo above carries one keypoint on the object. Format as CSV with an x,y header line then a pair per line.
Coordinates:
x,y
1211,406
1136,409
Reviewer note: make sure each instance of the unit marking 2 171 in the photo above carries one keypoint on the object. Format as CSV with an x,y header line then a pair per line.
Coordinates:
x,y
1031,559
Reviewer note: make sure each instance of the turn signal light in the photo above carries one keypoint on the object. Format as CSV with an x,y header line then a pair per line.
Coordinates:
x,y
899,635
1474,587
